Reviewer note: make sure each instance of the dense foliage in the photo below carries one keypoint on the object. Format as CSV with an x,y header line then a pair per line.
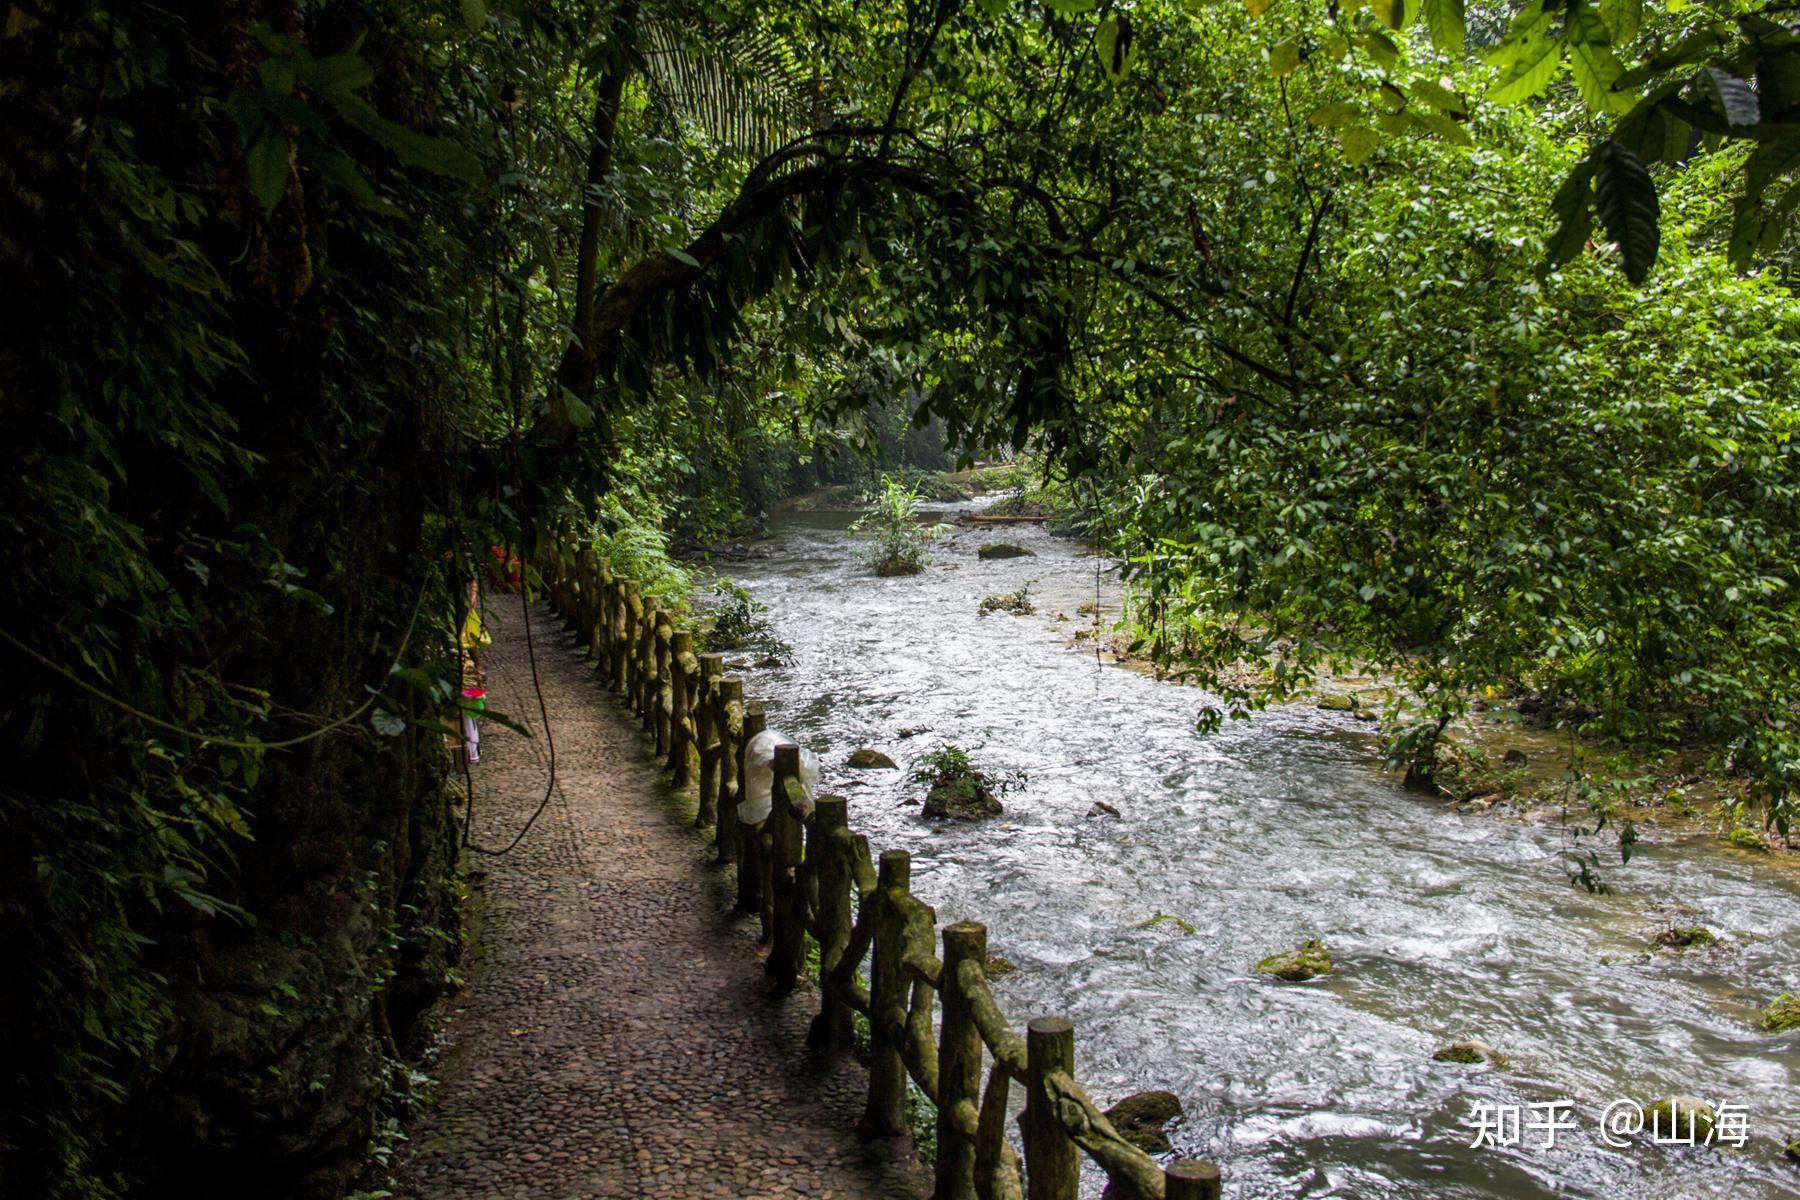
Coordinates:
x,y
310,304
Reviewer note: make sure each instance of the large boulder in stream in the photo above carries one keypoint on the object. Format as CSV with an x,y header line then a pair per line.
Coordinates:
x,y
1140,1119
962,798
1003,550
1297,966
871,760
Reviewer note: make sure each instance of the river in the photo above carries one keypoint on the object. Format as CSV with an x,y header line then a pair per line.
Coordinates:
x,y
1443,926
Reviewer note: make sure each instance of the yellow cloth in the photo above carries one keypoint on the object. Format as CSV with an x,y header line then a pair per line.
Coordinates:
x,y
474,633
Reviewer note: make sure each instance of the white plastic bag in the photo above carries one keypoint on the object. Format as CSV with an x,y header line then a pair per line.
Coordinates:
x,y
759,776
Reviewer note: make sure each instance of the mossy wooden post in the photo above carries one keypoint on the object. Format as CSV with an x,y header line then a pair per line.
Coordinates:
x,y
748,838
603,618
1191,1179
1052,1160
831,1028
733,733
564,593
959,1065
787,924
885,1113
709,736
631,608
645,700
662,696
625,604
681,656
585,605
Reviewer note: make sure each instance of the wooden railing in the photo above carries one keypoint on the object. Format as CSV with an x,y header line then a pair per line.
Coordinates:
x,y
805,872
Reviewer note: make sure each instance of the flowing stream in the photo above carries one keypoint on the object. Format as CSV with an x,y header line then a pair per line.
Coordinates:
x,y
1443,926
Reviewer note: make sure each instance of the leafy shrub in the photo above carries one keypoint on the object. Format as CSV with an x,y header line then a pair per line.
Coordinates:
x,y
900,543
737,620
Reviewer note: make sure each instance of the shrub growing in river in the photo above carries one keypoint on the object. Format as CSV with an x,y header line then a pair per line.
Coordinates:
x,y
900,543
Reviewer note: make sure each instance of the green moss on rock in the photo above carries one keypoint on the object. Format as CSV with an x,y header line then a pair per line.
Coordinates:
x,y
1674,1116
1782,1014
1470,1053
1296,966
871,760
962,798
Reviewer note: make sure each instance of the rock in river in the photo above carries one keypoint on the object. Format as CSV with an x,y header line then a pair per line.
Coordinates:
x,y
871,760
1469,1052
1295,966
1003,550
963,798
1140,1119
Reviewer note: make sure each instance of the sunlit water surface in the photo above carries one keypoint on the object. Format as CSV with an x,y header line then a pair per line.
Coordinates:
x,y
1443,926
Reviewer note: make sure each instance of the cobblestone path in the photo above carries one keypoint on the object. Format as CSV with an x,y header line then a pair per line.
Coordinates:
x,y
616,1038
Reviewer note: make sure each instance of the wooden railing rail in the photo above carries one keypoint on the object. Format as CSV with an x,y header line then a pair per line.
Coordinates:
x,y
931,1020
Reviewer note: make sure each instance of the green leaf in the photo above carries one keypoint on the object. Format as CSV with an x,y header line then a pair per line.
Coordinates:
x,y
338,169
1258,7
1334,115
268,163
1284,57
1528,73
1629,210
1379,47
474,14
1732,96
1591,60
1769,162
1451,131
1623,19
1438,96
1747,220
1570,237
1447,23
414,149
1116,46
337,74
682,256
1359,141
1068,8
1572,206
1391,13
1527,57
386,723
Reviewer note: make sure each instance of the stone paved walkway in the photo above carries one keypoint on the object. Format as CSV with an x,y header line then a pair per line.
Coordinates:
x,y
616,1039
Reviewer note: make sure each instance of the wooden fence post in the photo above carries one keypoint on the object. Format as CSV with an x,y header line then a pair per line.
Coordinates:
x,y
885,1113
831,1028
787,943
746,838
630,612
681,743
648,683
959,1065
662,695
709,733
1191,1179
623,603
1052,1160
603,621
